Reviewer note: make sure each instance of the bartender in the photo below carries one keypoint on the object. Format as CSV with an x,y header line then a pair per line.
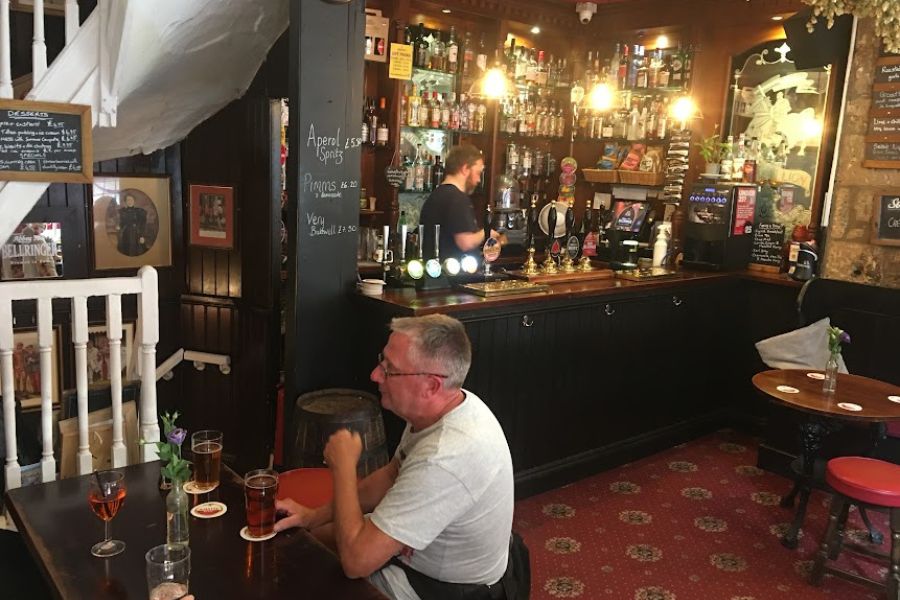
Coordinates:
x,y
450,206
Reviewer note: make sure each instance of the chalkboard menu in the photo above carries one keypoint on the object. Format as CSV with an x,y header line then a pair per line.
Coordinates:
x,y
45,141
882,149
768,239
887,219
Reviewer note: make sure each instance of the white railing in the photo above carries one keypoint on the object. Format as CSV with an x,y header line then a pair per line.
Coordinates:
x,y
199,359
144,285
38,44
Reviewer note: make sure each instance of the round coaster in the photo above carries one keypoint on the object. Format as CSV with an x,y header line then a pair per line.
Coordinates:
x,y
850,406
209,510
191,487
814,375
787,389
245,533
894,399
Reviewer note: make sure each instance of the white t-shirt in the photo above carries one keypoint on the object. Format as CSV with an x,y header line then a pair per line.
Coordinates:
x,y
452,502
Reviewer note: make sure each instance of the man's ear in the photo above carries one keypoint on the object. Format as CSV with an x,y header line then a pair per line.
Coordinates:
x,y
434,385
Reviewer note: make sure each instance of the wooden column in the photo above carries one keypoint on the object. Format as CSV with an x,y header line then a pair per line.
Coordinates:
x,y
326,81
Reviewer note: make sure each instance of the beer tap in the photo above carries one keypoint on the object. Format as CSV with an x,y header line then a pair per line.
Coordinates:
x,y
387,256
568,265
584,264
416,267
548,267
491,248
530,267
400,268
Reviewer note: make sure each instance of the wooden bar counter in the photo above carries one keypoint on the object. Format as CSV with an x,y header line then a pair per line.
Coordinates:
x,y
593,374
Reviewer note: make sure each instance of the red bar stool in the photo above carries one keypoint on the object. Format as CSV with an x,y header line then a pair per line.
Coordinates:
x,y
309,487
870,484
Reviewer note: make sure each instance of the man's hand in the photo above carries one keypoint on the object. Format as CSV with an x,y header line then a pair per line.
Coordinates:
x,y
297,515
343,450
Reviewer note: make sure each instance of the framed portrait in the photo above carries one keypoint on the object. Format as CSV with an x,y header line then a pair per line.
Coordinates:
x,y
27,368
98,354
212,216
131,222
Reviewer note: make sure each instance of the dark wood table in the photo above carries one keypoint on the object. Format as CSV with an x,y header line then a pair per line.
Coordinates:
x,y
856,399
59,529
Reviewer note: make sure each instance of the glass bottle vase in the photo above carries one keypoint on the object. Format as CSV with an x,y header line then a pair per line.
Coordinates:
x,y
829,385
177,505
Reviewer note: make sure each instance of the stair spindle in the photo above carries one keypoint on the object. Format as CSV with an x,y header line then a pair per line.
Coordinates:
x,y
38,45
71,20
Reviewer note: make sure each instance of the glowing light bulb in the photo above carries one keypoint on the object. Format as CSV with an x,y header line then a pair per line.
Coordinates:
x,y
601,97
469,264
451,266
495,83
416,269
662,41
812,128
683,109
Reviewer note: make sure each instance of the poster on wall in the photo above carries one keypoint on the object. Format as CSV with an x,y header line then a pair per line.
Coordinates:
x,y
33,251
212,216
886,224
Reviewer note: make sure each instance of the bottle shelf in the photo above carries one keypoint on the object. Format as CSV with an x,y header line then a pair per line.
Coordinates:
x,y
540,138
444,129
621,140
433,72
652,91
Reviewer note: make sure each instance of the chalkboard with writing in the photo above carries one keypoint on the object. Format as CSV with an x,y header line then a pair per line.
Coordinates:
x,y
887,71
45,141
887,219
886,100
768,239
884,125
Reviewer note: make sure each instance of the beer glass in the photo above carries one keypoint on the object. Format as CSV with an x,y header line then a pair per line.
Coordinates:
x,y
260,488
168,571
206,445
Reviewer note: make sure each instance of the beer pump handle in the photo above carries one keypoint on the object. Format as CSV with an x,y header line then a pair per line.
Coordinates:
x,y
487,221
437,241
587,222
403,243
551,225
421,241
529,226
386,245
570,220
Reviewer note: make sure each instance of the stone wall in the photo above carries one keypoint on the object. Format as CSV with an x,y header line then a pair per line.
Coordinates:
x,y
849,256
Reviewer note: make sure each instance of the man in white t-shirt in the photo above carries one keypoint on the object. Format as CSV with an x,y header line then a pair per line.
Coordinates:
x,y
443,506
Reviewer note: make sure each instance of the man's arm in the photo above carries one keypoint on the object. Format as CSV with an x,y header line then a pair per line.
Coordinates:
x,y
371,490
470,240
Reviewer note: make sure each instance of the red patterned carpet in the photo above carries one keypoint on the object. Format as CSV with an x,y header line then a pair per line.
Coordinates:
x,y
695,522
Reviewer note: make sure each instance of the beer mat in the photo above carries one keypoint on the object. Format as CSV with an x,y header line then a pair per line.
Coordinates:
x,y
563,277
245,533
894,399
814,375
209,510
653,274
850,406
191,487
787,389
503,288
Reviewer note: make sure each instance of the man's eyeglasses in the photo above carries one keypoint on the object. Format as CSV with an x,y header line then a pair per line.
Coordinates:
x,y
396,374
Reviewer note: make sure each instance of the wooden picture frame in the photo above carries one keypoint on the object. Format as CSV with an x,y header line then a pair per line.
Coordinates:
x,y
100,430
98,355
132,224
27,367
885,217
212,216
73,126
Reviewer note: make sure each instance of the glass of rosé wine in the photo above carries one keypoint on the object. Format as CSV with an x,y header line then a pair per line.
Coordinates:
x,y
106,496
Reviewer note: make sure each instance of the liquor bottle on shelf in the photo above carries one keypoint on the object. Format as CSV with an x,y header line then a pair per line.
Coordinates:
x,y
454,112
428,166
464,123
438,52
654,68
677,78
364,131
410,184
688,68
372,120
412,107
452,52
739,157
445,112
633,67
437,171
511,61
419,170
468,55
424,111
727,168
382,134
622,71
435,105
422,57
642,77
481,57
663,79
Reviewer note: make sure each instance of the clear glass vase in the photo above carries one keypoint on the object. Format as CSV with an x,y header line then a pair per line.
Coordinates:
x,y
177,506
829,385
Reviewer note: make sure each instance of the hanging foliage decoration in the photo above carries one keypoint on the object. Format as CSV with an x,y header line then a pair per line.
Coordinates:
x,y
885,12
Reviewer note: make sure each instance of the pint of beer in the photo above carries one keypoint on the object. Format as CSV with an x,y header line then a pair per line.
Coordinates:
x,y
260,488
206,446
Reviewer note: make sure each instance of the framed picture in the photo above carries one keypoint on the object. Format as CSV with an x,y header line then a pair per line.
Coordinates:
x,y
33,251
98,354
132,223
212,216
27,367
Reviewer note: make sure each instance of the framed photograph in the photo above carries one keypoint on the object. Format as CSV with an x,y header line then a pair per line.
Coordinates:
x,y
132,222
33,251
27,367
212,216
98,354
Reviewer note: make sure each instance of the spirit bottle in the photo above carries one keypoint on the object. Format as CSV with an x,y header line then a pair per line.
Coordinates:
x,y
452,52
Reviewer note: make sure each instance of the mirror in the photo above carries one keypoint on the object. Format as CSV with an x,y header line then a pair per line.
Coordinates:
x,y
784,109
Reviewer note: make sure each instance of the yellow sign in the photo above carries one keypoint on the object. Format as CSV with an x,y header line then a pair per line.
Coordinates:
x,y
400,66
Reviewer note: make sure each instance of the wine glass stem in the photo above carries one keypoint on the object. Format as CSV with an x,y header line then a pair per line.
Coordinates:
x,y
106,536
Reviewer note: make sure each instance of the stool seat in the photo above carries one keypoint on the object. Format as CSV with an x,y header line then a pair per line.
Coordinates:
x,y
866,480
310,487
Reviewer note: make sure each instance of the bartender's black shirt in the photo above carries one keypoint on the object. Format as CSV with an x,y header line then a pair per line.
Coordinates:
x,y
453,211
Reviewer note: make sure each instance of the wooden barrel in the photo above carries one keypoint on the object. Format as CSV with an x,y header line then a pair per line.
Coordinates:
x,y
319,414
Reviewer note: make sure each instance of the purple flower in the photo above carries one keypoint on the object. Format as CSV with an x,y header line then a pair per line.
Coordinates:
x,y
845,337
176,436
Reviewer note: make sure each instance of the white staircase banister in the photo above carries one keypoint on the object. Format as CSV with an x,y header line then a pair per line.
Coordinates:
x,y
38,44
71,20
